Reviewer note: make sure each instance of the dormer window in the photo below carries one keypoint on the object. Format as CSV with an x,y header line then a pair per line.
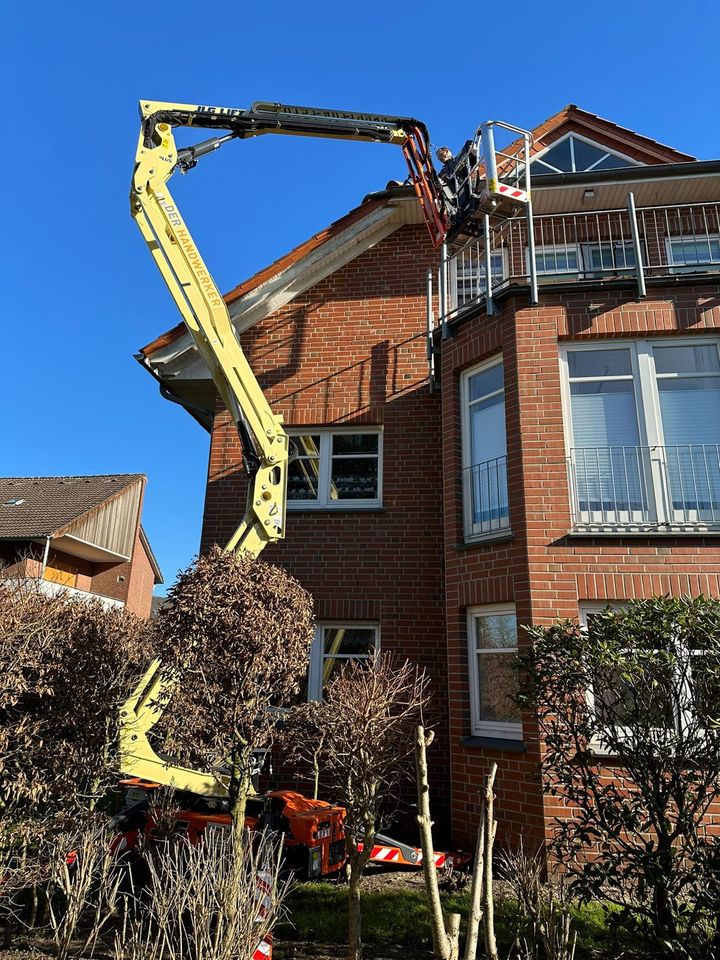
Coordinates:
x,y
574,154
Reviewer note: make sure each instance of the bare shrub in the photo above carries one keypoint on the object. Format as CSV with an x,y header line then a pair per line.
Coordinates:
x,y
210,901
83,885
546,929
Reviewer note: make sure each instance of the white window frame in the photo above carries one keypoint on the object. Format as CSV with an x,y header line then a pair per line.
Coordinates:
x,y
584,269
650,427
680,267
477,531
479,727
324,502
317,651
587,609
592,143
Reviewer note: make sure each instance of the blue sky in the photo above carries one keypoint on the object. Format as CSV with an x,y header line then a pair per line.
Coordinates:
x,y
80,292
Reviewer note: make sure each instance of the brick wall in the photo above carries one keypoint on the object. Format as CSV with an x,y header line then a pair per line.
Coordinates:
x,y
546,572
352,351
141,582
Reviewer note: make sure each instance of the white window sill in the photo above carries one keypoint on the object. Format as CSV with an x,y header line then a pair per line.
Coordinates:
x,y
638,530
498,731
297,506
471,540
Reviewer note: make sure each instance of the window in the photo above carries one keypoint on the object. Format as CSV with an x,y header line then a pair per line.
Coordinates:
x,y
468,273
485,494
585,259
335,644
671,696
492,645
331,469
687,253
574,154
643,427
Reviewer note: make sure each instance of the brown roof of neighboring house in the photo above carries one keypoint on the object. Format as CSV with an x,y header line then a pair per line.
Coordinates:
x,y
51,503
570,118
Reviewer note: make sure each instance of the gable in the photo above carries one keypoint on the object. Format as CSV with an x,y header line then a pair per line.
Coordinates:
x,y
574,153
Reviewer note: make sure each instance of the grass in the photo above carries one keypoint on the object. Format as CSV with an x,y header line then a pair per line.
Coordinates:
x,y
318,914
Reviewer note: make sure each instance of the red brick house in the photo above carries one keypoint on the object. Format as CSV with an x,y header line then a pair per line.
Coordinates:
x,y
517,463
80,535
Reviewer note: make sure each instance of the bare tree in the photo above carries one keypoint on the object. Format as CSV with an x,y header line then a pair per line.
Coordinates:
x,y
368,718
233,638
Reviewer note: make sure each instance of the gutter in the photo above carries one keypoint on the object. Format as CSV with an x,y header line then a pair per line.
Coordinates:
x,y
658,171
203,417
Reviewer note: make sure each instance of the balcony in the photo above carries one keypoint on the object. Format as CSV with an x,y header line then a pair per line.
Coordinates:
x,y
485,497
571,248
672,488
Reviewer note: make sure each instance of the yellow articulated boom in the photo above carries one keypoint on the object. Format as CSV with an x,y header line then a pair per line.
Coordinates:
x,y
264,441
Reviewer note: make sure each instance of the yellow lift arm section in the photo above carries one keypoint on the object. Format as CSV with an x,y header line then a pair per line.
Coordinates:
x,y
264,442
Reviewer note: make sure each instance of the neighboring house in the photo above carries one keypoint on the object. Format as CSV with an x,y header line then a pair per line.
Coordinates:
x,y
567,455
81,535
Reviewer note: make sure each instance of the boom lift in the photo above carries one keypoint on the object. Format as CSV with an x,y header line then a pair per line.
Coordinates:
x,y
264,442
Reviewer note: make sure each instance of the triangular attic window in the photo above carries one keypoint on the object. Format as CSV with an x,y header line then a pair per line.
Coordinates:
x,y
573,155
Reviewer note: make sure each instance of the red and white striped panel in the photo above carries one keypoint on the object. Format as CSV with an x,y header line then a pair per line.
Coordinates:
x,y
263,951
385,854
511,192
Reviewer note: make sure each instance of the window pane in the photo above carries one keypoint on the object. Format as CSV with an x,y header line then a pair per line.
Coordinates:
x,y
557,260
341,644
620,701
307,445
497,684
355,443
613,162
599,363
354,478
691,250
348,641
604,414
690,409
608,256
487,381
303,474
703,359
559,156
496,632
585,154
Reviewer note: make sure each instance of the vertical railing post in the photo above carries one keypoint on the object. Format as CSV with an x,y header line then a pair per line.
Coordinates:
x,y
444,291
489,305
640,269
530,228
430,330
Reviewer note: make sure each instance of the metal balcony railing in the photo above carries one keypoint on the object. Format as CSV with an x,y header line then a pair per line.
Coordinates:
x,y
647,242
660,486
485,495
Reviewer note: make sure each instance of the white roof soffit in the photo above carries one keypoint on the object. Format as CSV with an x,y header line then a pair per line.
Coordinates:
x,y
180,360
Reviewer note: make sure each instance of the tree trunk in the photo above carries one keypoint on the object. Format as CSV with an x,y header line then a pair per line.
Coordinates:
x,y
442,940
476,891
487,899
354,951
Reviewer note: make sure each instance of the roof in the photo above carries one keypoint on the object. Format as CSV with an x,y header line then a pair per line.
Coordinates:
x,y
570,119
573,118
277,266
51,503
